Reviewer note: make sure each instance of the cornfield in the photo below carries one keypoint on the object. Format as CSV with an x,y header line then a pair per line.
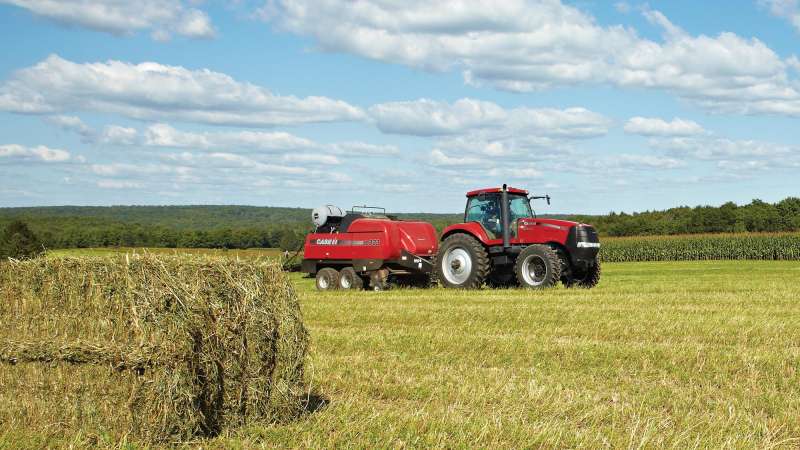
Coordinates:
x,y
761,246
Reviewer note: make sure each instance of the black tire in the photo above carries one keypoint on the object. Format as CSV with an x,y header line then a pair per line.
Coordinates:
x,y
327,279
349,280
586,278
538,267
468,263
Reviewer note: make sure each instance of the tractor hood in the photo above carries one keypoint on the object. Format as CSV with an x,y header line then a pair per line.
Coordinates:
x,y
555,223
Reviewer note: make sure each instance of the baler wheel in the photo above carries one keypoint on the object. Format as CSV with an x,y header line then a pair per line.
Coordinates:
x,y
461,262
349,279
327,279
538,267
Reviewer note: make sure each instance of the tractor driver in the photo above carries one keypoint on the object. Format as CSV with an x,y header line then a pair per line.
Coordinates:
x,y
491,217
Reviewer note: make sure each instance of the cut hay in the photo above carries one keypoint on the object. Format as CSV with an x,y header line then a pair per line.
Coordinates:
x,y
158,349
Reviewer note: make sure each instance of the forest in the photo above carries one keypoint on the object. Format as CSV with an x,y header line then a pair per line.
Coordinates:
x,y
251,226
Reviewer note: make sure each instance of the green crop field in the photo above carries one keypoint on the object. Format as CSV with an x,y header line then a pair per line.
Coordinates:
x,y
664,354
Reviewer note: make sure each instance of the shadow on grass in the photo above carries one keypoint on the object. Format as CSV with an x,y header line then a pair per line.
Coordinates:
x,y
314,402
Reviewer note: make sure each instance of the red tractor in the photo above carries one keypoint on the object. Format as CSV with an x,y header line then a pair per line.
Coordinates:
x,y
501,243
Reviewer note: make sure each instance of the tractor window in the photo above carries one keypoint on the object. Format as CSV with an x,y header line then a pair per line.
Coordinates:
x,y
486,210
518,207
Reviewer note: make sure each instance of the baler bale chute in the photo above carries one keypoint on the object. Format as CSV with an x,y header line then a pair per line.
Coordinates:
x,y
500,243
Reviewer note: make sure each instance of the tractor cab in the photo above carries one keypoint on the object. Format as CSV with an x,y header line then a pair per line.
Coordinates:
x,y
485,206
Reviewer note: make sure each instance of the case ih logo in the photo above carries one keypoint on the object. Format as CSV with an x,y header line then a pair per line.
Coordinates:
x,y
368,242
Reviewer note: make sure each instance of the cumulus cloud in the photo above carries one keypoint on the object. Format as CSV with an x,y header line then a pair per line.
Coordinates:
x,y
153,91
362,149
647,126
440,158
163,135
426,117
118,135
650,161
72,123
526,45
731,155
786,9
41,153
122,17
118,184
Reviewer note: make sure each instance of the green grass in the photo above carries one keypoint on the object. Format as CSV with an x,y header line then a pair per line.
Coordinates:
x,y
700,354
678,355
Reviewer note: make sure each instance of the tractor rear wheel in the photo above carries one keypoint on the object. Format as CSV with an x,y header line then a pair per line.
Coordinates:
x,y
349,279
586,278
327,279
538,267
461,262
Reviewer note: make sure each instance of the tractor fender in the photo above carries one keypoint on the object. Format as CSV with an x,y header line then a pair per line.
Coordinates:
x,y
473,228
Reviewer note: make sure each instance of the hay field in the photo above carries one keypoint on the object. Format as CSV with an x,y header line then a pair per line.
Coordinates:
x,y
677,355
673,355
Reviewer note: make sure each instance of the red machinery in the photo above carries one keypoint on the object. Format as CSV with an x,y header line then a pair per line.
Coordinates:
x,y
501,242
348,251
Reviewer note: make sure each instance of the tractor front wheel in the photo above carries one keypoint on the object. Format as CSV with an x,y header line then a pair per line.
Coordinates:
x,y
538,267
586,277
461,262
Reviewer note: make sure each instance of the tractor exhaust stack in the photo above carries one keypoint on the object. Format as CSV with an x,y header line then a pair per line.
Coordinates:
x,y
504,217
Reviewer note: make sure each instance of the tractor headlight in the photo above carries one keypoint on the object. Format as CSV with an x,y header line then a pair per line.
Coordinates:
x,y
588,245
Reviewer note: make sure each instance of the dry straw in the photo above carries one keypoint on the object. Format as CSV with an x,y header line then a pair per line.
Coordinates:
x,y
159,349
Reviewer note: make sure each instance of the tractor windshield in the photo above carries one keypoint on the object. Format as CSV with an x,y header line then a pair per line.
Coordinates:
x,y
485,209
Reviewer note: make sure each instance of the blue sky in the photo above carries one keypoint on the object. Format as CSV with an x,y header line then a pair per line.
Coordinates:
x,y
605,106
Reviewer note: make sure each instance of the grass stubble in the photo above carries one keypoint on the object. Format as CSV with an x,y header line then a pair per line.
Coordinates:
x,y
659,355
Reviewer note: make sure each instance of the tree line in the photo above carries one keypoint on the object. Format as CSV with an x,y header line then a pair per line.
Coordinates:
x,y
757,216
238,227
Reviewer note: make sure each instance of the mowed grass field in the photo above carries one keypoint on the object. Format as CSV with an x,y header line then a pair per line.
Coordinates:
x,y
677,355
673,355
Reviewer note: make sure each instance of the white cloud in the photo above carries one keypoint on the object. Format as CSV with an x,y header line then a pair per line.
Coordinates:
x,y
526,45
430,118
163,135
515,173
72,123
118,135
713,148
122,17
622,7
153,91
786,9
362,149
647,126
650,161
41,153
426,117
731,155
119,184
440,158
743,166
